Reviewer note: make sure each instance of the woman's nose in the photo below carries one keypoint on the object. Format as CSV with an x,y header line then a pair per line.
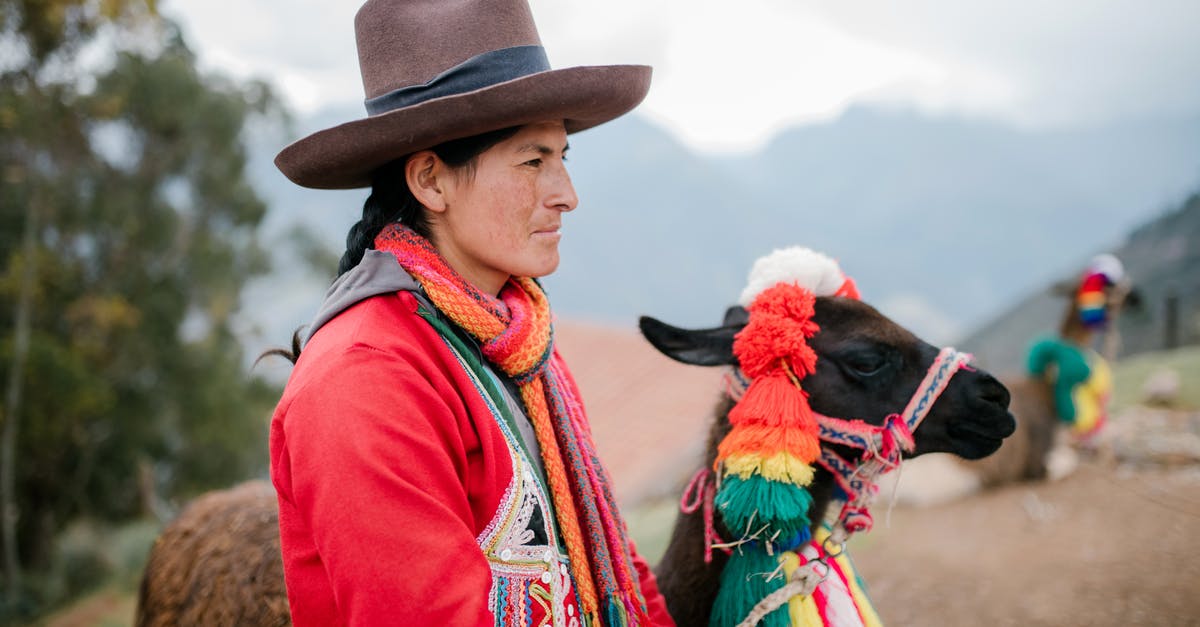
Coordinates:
x,y
561,191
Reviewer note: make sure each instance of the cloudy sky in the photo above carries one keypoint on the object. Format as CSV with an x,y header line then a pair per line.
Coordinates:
x,y
729,74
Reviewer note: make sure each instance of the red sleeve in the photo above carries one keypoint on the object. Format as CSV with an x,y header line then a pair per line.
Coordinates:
x,y
374,460
656,605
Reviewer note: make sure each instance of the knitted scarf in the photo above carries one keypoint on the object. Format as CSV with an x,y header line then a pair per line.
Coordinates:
x,y
515,335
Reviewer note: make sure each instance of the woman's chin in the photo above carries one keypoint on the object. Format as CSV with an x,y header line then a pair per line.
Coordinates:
x,y
537,268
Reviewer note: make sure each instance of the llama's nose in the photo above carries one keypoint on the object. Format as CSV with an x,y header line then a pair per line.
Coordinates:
x,y
992,392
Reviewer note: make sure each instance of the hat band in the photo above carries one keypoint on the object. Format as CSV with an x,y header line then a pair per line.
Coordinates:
x,y
482,70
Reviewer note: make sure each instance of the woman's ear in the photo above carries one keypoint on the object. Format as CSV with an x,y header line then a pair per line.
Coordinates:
x,y
426,173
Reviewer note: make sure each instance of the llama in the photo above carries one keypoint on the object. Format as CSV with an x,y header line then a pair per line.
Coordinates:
x,y
866,367
218,563
1060,402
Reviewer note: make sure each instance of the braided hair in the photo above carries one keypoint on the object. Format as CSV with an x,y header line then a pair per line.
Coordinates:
x,y
392,201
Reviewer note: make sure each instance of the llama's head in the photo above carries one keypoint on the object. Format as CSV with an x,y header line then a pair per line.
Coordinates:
x,y
825,395
868,367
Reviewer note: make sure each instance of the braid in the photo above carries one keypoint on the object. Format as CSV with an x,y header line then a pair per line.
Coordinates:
x,y
392,201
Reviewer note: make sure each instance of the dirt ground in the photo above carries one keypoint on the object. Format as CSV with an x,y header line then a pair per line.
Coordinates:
x,y
1107,545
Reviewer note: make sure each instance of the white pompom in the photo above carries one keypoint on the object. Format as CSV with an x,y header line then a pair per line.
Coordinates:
x,y
803,266
1109,266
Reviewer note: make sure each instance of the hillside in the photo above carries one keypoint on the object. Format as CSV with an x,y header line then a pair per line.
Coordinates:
x,y
1162,258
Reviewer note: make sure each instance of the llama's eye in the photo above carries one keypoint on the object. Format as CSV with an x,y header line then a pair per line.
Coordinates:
x,y
865,364
867,368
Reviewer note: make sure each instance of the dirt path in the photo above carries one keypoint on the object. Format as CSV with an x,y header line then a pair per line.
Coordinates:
x,y
1105,546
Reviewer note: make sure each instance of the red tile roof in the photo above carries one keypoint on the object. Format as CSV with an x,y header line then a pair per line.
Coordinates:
x,y
650,415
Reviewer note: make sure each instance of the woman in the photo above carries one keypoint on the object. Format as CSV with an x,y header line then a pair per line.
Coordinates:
x,y
431,456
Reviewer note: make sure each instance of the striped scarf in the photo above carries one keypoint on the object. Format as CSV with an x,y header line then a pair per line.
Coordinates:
x,y
515,335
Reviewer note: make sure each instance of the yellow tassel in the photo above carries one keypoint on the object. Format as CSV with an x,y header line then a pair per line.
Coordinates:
x,y
778,467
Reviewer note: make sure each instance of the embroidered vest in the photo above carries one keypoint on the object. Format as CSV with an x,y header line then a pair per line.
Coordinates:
x,y
531,575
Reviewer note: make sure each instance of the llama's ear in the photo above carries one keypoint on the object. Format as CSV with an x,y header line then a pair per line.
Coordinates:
x,y
737,316
1065,288
701,347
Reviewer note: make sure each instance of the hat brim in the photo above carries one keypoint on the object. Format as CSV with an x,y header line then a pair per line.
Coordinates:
x,y
343,157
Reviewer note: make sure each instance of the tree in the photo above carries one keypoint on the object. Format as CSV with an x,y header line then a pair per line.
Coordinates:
x,y
118,309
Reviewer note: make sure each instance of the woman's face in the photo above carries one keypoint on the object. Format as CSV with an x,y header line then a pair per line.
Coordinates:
x,y
503,219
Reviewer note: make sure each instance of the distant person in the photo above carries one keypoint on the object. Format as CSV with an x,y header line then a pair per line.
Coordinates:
x,y
1079,377
431,454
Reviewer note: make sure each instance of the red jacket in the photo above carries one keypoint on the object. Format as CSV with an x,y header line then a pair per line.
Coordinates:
x,y
397,498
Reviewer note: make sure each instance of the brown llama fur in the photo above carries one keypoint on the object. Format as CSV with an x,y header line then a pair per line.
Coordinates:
x,y
218,563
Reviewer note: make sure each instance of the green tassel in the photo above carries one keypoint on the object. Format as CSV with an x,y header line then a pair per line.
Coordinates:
x,y
744,583
747,505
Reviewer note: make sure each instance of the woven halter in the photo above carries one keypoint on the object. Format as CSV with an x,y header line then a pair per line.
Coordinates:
x,y
882,445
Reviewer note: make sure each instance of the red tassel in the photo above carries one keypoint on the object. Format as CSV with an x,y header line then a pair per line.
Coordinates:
x,y
779,328
774,401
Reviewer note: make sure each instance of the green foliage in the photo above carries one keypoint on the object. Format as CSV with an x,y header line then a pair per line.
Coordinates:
x,y
134,381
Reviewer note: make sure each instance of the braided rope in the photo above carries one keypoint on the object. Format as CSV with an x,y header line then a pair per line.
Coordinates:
x,y
803,583
534,395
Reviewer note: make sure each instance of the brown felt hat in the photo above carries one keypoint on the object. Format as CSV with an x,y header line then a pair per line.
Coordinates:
x,y
436,70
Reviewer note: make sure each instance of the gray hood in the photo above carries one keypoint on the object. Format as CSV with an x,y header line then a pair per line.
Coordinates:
x,y
377,273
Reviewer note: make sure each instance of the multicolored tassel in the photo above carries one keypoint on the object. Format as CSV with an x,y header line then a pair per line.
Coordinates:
x,y
766,461
1091,300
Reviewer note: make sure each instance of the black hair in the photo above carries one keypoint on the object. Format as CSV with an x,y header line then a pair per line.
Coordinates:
x,y
392,201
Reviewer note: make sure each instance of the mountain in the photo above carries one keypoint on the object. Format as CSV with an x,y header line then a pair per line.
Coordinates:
x,y
965,216
942,221
1161,258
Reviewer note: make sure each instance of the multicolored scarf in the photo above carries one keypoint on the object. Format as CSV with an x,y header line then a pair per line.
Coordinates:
x,y
515,335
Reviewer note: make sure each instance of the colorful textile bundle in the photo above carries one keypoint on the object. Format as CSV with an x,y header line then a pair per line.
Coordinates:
x,y
765,463
840,600
515,335
1079,378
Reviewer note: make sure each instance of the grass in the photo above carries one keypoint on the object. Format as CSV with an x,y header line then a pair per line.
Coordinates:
x,y
1129,375
650,525
112,606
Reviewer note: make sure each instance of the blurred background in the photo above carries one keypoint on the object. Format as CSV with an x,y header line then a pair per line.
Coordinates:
x,y
959,159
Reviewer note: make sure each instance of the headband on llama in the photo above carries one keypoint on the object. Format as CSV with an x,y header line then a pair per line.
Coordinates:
x,y
765,463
